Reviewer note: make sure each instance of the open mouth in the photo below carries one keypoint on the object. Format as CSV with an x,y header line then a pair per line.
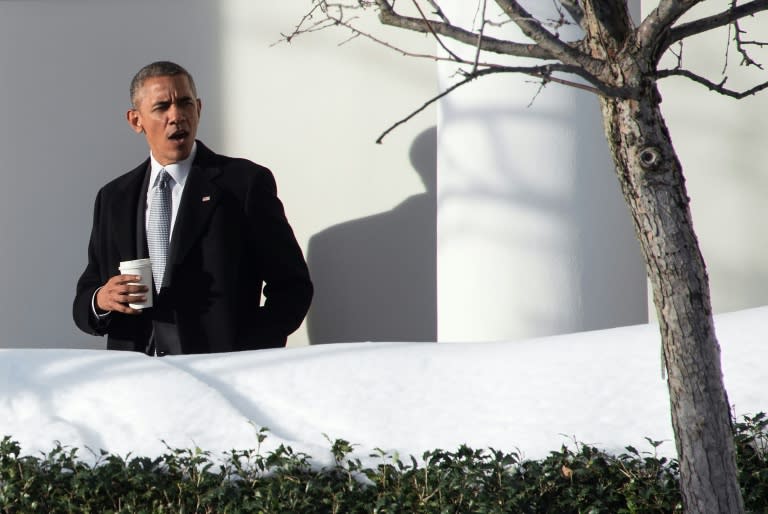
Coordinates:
x,y
178,135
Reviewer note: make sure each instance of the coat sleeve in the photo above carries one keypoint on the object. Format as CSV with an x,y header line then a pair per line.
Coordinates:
x,y
288,288
91,279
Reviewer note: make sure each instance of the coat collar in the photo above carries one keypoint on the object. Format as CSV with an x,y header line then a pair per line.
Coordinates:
x,y
200,197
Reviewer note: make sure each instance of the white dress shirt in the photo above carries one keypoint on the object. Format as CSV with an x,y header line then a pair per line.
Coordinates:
x,y
179,171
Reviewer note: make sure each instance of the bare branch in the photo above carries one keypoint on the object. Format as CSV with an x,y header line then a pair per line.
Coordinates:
x,y
746,59
432,100
438,11
574,10
679,56
305,27
653,28
388,16
334,21
480,34
727,51
544,72
432,31
299,29
712,86
544,39
712,22
542,85
480,68
563,19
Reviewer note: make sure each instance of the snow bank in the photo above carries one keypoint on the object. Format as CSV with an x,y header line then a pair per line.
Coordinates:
x,y
603,388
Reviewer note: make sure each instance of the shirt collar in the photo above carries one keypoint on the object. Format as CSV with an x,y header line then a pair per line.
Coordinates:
x,y
179,171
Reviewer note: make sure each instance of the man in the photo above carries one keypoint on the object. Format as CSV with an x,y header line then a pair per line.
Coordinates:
x,y
228,237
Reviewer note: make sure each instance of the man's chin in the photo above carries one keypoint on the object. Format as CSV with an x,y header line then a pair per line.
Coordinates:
x,y
175,152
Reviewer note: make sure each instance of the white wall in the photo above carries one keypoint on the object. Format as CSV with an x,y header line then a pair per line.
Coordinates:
x,y
311,111
534,238
66,66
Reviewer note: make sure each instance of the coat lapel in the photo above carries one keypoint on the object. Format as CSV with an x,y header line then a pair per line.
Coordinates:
x,y
124,211
198,202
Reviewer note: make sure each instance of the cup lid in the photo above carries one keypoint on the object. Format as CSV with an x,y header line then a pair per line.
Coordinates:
x,y
138,263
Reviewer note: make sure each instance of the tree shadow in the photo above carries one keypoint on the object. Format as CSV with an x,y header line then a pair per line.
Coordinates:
x,y
376,277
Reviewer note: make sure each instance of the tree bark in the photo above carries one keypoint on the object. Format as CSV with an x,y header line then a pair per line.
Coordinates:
x,y
653,186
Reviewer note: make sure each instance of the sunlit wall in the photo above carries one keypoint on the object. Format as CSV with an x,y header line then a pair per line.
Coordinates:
x,y
365,214
311,111
533,235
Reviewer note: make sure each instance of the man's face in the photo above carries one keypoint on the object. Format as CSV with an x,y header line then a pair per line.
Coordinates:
x,y
167,112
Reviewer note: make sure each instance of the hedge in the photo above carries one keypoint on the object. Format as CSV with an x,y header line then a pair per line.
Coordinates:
x,y
578,479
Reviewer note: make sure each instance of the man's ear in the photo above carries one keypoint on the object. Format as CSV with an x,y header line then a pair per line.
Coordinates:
x,y
134,120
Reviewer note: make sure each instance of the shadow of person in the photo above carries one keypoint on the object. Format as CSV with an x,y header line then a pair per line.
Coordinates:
x,y
376,277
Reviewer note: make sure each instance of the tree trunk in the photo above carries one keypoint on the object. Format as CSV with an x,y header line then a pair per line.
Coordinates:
x,y
654,189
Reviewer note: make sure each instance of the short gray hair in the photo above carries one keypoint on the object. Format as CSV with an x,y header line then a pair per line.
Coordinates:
x,y
158,69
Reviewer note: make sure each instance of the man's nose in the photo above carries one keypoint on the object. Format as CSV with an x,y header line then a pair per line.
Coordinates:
x,y
175,114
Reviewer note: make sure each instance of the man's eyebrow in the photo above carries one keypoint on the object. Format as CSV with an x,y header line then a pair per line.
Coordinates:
x,y
164,102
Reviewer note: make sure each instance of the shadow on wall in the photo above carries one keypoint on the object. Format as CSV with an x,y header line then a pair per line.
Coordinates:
x,y
376,277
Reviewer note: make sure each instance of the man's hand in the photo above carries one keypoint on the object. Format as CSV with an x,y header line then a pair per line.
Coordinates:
x,y
118,292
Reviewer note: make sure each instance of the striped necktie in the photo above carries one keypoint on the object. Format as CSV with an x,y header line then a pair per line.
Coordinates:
x,y
159,227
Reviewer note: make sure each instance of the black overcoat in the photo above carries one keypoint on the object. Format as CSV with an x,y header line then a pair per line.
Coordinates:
x,y
230,238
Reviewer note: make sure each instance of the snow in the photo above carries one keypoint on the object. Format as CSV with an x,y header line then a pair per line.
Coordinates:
x,y
602,388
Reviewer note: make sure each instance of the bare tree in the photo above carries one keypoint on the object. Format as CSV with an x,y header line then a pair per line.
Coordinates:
x,y
621,62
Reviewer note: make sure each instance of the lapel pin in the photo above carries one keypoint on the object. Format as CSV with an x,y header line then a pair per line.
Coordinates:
x,y
206,198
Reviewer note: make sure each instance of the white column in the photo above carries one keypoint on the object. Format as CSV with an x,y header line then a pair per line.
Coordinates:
x,y
533,235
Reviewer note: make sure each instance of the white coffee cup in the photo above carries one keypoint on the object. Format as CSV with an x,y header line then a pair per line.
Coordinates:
x,y
143,268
